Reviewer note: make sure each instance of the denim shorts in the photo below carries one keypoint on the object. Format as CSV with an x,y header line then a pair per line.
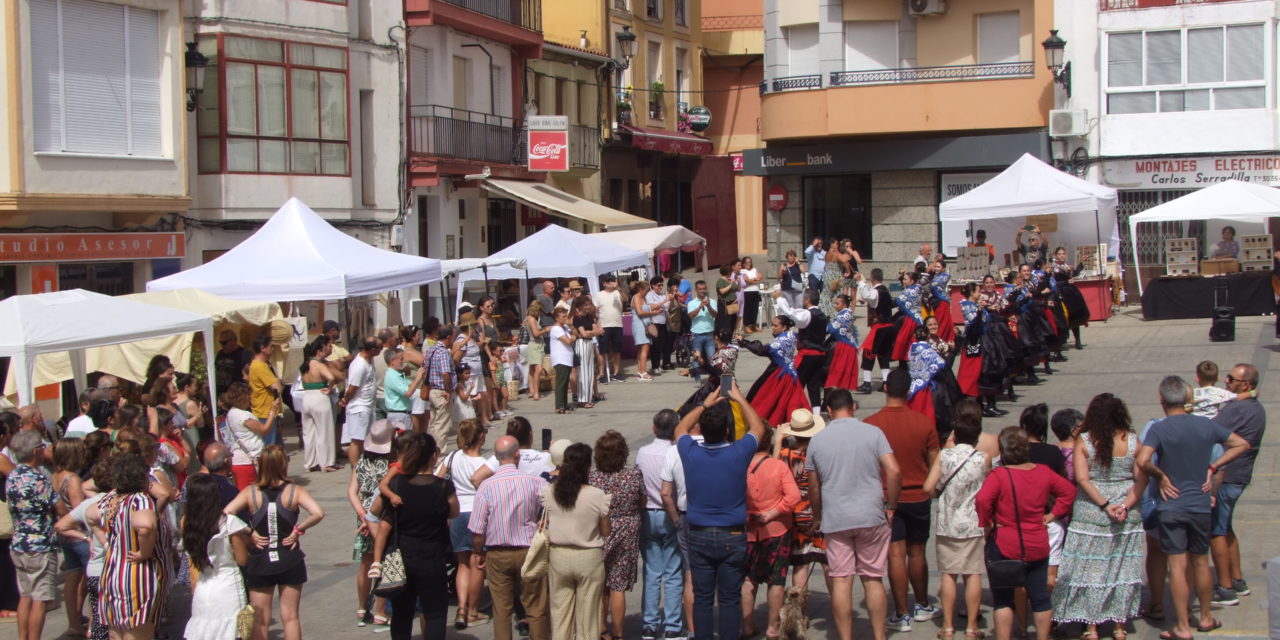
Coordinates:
x,y
75,555
459,535
1224,508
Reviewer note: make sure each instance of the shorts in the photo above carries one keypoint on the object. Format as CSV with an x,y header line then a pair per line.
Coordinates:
x,y
767,560
1057,535
401,421
357,425
961,556
1147,507
611,340
420,405
863,552
911,522
37,573
534,352
75,555
1224,508
459,535
1182,532
297,574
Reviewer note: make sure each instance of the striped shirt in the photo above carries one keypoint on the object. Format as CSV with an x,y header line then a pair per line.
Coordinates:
x,y
438,363
507,508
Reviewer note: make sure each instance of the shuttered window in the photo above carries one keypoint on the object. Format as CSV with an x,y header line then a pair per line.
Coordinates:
x,y
95,78
1195,69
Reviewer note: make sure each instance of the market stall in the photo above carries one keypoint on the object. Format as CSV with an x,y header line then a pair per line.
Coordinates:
x,y
1031,192
660,243
74,321
1193,296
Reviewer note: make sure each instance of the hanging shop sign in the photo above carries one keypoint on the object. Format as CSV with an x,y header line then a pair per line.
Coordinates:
x,y
699,119
549,143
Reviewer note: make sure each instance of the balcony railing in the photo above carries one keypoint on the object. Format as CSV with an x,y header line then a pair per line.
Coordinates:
x,y
525,13
934,74
584,146
457,133
794,83
732,23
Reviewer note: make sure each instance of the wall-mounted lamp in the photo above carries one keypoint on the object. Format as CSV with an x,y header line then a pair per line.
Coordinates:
x,y
1054,47
195,64
626,46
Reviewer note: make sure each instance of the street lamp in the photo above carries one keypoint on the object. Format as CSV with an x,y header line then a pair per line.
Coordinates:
x,y
1054,46
195,64
626,46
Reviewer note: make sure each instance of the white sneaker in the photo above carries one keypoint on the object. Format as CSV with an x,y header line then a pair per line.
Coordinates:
x,y
896,623
925,613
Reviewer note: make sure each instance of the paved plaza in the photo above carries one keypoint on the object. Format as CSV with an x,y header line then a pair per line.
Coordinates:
x,y
1125,356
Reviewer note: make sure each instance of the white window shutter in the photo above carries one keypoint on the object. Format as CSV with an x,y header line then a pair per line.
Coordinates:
x,y
144,82
871,45
1124,60
1244,52
46,75
1164,57
420,74
998,35
96,86
1204,55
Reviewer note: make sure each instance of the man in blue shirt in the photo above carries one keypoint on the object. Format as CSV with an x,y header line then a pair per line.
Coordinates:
x,y
817,258
715,472
702,323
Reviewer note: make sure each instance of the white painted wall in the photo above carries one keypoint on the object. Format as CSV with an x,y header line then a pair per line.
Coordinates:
x,y
444,44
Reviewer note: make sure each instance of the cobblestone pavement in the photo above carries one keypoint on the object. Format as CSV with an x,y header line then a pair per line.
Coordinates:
x,y
1125,356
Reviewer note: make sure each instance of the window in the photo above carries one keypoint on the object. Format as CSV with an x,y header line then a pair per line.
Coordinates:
x,y
285,109
95,78
653,9
998,35
1195,69
656,88
871,45
802,49
681,12
682,79
839,207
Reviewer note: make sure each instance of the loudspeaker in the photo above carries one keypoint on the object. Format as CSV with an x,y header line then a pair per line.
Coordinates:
x,y
1223,328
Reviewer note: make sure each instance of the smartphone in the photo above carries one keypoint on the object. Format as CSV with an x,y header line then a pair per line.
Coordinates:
x,y
726,383
546,439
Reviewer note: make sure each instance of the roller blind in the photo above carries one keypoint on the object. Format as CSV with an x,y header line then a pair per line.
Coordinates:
x,y
96,72
871,45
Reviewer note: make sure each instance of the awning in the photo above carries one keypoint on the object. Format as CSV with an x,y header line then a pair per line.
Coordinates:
x,y
668,141
544,197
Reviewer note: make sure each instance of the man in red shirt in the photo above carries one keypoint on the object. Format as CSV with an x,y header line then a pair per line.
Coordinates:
x,y
914,441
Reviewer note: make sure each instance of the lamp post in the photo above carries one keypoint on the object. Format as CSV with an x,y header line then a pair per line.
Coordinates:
x,y
195,64
1054,47
626,51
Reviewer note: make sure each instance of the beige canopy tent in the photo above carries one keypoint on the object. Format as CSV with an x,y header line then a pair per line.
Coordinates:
x,y
129,360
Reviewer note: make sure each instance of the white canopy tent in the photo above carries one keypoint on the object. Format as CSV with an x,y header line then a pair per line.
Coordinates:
x,y
297,256
75,320
1233,200
454,267
660,240
129,360
1029,187
557,252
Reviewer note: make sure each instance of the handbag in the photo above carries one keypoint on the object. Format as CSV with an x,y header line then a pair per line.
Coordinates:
x,y
6,521
246,615
731,308
393,579
1006,573
651,330
537,561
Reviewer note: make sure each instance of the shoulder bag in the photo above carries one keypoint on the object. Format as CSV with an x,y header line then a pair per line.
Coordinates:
x,y
246,614
393,579
1005,573
537,561
951,477
6,521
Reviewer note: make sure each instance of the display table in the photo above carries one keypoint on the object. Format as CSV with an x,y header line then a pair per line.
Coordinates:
x,y
1096,293
1192,297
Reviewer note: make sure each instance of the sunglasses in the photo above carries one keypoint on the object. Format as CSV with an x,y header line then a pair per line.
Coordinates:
x,y
225,341
1231,379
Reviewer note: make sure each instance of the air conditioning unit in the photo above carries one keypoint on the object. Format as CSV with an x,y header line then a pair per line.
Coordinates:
x,y
926,7
1068,123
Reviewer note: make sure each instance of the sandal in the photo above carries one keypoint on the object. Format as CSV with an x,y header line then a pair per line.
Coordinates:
x,y
375,571
381,621
1119,633
1216,624
1170,635
974,634
586,405
562,411
946,633
1154,614
361,616
1089,635
478,617
460,620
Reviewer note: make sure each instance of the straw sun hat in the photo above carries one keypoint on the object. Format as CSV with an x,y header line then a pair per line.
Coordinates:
x,y
803,424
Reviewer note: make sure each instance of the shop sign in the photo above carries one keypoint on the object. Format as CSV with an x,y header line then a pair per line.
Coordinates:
x,y
548,143
88,247
1119,5
699,119
1190,173
738,163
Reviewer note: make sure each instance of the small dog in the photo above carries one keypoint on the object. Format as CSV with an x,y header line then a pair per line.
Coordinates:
x,y
794,621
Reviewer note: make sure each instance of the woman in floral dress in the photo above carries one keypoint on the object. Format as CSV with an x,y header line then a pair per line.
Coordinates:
x,y
625,487
361,491
1100,579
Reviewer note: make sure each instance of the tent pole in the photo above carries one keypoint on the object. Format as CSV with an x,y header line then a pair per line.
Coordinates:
x,y
209,357
1133,242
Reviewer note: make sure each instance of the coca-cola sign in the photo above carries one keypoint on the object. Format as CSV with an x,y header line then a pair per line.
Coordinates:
x,y
548,150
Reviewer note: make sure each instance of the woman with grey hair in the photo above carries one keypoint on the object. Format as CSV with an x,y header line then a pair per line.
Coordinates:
x,y
33,547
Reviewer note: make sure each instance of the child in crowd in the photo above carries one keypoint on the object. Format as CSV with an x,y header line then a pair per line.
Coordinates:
x,y
1065,424
500,374
513,372
1207,398
465,395
400,447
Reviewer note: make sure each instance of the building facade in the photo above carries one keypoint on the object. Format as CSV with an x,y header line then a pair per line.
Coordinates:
x,y
872,113
1165,99
94,186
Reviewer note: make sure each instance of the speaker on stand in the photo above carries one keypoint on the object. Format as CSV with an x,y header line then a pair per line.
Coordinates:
x,y
1223,326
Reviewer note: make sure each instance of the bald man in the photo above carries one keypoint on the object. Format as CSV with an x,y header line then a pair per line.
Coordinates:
x,y
925,256
217,463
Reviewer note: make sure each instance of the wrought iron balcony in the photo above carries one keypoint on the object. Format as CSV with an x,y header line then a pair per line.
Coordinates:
x,y
933,74
525,13
794,83
438,130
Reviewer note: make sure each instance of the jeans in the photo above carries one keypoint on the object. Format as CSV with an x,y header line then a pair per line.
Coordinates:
x,y
1224,508
703,344
718,564
663,575
273,434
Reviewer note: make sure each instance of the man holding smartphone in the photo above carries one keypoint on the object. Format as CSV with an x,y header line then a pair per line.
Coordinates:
x,y
702,323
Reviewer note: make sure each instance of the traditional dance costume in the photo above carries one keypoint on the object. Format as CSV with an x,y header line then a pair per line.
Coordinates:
x,y
777,392
842,372
910,304
939,285
933,389
1047,294
1073,302
811,359
880,334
